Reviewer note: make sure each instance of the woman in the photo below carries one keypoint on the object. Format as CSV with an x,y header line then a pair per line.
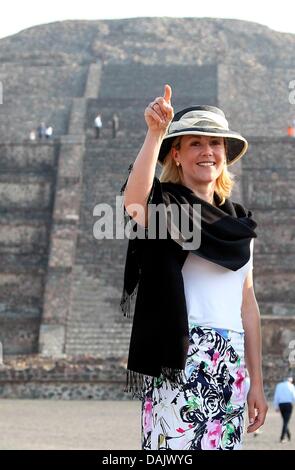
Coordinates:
x,y
196,323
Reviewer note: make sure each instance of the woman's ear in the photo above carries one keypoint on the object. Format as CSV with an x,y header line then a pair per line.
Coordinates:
x,y
174,152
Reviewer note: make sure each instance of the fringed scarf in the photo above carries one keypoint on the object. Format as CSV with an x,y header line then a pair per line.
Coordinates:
x,y
153,292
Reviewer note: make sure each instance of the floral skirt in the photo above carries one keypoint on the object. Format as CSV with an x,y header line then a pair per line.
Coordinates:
x,y
207,411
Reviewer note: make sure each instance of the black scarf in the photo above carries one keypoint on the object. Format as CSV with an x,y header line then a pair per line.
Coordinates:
x,y
153,279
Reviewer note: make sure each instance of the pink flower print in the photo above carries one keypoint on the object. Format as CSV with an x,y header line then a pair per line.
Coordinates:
x,y
215,358
185,437
239,387
147,416
211,438
181,430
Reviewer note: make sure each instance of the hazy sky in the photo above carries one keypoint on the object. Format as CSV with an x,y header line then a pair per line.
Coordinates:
x,y
17,15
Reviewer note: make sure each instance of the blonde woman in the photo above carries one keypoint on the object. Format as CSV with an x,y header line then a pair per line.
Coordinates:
x,y
196,323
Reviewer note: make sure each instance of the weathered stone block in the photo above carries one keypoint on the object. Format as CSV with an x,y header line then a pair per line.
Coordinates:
x,y
18,236
56,297
19,335
52,340
25,156
28,286
35,195
70,161
269,189
63,244
67,201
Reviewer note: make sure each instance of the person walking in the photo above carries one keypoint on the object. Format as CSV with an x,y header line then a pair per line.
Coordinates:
x,y
284,397
196,324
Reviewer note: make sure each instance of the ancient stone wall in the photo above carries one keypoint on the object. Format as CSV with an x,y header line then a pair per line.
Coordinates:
x,y
27,187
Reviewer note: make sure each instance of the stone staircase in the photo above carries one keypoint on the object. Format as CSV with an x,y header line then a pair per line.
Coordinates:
x,y
95,326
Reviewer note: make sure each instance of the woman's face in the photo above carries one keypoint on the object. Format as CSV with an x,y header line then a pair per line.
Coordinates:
x,y
201,158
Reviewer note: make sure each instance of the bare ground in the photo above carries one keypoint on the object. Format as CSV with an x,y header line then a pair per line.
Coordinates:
x,y
105,425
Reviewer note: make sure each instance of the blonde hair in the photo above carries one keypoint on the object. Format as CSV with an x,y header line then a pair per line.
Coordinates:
x,y
173,174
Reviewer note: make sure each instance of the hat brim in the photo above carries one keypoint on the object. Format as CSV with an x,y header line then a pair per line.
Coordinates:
x,y
237,145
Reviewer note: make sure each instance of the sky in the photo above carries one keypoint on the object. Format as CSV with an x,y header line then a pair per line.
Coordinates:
x,y
17,15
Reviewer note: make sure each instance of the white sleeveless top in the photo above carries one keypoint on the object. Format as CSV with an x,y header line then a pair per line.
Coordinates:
x,y
213,293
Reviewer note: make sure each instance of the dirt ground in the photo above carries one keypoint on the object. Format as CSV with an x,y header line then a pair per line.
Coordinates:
x,y
104,425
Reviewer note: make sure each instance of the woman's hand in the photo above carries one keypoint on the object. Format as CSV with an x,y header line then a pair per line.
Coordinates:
x,y
159,113
257,408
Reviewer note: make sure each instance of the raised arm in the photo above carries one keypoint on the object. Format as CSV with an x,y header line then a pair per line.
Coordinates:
x,y
158,116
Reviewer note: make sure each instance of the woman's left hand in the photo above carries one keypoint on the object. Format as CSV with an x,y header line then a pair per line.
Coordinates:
x,y
257,408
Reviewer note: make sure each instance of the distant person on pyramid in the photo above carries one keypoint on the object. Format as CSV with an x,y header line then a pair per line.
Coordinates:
x,y
98,125
115,125
41,130
32,135
49,132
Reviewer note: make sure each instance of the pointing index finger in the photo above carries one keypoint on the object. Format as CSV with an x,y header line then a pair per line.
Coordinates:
x,y
167,94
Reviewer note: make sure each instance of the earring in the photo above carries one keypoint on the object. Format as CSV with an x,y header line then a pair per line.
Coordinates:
x,y
177,163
